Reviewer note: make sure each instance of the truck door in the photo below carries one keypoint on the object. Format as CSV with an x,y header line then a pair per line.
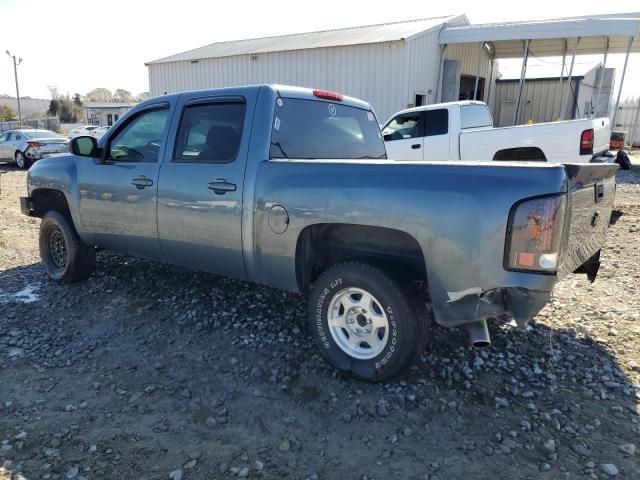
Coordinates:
x,y
436,135
200,190
117,207
403,136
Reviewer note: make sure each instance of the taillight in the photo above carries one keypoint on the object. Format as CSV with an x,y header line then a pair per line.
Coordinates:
x,y
534,233
35,144
586,142
326,94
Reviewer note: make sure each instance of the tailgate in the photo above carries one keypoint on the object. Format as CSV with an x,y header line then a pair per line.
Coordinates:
x,y
592,189
601,135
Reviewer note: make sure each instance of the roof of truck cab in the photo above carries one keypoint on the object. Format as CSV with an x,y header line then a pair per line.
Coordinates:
x,y
433,106
287,91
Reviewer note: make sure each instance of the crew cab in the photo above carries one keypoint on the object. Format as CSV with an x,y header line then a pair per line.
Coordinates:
x,y
464,131
292,188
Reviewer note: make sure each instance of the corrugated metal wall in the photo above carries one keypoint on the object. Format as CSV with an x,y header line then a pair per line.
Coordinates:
x,y
467,56
372,72
628,121
540,101
422,59
388,75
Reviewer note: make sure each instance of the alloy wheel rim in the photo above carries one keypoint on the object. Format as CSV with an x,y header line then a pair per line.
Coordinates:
x,y
358,323
57,248
20,159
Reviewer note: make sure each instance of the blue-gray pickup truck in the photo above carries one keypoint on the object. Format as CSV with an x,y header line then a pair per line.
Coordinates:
x,y
291,187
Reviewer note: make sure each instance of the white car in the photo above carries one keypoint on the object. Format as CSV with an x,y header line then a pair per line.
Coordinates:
x,y
99,132
25,146
464,131
85,130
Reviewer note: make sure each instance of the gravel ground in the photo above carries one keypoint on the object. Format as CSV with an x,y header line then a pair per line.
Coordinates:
x,y
151,371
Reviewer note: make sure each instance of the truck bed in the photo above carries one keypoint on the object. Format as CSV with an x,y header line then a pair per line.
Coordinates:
x,y
559,141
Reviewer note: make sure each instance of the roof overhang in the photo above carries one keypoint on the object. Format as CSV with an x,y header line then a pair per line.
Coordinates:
x,y
551,37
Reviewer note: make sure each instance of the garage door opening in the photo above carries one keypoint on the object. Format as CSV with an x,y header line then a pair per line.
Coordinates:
x,y
467,88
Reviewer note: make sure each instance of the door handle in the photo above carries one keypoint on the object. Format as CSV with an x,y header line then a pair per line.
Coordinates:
x,y
141,182
221,186
416,146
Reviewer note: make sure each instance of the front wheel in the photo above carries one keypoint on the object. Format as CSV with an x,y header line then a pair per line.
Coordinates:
x,y
365,322
65,258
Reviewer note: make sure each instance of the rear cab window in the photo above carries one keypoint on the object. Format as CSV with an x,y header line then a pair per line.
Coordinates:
x,y
313,129
475,116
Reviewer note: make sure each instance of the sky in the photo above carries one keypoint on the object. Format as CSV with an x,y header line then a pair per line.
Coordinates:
x,y
78,45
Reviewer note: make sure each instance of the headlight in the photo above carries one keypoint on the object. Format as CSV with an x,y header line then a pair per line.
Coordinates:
x,y
534,233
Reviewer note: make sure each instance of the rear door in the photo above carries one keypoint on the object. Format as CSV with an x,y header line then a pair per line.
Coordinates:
x,y
201,183
403,136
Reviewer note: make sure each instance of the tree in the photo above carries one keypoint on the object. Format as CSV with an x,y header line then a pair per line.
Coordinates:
x,y
77,100
7,114
54,106
100,95
141,97
122,95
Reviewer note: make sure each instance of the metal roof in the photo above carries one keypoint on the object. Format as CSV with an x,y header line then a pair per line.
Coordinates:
x,y
551,37
386,32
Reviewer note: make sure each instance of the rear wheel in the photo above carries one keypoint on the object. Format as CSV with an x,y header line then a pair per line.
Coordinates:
x,y
365,322
65,258
21,160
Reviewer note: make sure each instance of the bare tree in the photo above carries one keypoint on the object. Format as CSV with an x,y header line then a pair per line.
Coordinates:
x,y
122,95
142,96
100,95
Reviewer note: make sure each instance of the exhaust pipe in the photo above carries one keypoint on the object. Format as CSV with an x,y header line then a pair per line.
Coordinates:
x,y
479,334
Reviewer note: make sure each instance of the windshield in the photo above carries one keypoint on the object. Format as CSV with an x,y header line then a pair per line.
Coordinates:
x,y
43,134
310,129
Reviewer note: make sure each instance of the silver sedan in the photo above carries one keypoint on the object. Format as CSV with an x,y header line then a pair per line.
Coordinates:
x,y
26,146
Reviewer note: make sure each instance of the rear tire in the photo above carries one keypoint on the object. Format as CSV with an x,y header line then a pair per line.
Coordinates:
x,y
21,161
365,322
65,258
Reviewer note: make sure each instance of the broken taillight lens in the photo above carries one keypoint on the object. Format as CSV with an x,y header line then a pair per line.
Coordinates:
x,y
534,234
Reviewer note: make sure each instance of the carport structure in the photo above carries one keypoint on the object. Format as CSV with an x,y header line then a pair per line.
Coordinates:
x,y
599,34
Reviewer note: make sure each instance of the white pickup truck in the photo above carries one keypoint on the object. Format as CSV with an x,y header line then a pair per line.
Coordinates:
x,y
464,131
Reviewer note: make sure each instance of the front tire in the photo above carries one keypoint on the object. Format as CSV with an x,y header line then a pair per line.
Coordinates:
x,y
65,258
21,160
365,322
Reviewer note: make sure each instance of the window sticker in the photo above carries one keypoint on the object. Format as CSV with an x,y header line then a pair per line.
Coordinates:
x,y
276,124
370,116
279,102
332,110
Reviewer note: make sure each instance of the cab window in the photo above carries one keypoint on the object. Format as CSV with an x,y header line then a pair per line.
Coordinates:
x,y
140,140
474,116
404,126
210,133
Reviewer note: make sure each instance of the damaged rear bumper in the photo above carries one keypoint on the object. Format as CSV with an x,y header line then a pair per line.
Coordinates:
x,y
476,304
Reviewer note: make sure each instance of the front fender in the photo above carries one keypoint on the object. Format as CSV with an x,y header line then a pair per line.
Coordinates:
x,y
59,173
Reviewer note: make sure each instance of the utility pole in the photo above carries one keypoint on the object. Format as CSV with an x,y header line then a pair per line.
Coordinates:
x,y
15,73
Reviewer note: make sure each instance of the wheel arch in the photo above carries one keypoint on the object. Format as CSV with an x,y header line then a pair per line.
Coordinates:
x,y
48,199
520,154
321,245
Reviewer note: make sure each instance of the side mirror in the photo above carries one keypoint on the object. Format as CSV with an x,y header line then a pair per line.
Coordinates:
x,y
84,146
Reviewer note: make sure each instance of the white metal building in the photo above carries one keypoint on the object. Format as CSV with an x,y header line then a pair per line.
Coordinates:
x,y
104,114
392,66
396,65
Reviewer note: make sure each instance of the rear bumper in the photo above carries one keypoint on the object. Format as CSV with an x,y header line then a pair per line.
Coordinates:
x,y
521,303
26,206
